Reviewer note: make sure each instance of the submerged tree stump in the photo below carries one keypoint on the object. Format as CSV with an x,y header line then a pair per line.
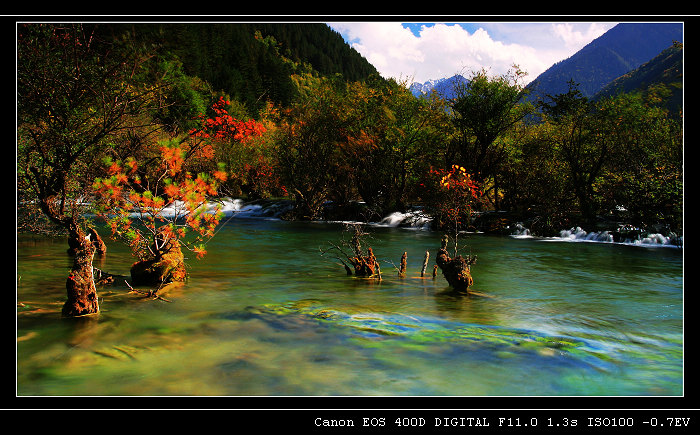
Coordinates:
x,y
364,265
358,263
425,263
456,270
162,269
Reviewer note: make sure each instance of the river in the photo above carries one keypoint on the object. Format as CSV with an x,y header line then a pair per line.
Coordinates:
x,y
265,314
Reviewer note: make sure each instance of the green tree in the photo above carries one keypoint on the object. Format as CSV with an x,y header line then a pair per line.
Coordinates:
x,y
645,169
535,182
484,109
581,144
308,148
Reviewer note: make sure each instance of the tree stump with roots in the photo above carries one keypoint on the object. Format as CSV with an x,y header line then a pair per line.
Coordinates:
x,y
456,270
162,269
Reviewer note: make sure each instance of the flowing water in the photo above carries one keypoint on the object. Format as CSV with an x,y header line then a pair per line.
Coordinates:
x,y
265,314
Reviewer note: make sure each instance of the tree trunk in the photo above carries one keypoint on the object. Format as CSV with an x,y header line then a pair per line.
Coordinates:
x,y
425,263
95,239
80,285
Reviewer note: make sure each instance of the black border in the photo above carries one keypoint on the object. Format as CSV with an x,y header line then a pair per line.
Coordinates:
x,y
268,413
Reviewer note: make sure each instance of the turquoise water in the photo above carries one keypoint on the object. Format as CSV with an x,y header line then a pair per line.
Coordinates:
x,y
264,314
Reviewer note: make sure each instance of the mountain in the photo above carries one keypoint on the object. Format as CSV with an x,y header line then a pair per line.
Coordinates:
x,y
620,50
252,62
444,87
665,69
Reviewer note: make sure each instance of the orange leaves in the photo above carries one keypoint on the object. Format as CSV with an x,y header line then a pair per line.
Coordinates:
x,y
220,175
173,157
199,251
176,195
360,144
163,196
171,190
114,168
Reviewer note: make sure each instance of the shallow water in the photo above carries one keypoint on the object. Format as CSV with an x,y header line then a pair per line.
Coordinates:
x,y
264,314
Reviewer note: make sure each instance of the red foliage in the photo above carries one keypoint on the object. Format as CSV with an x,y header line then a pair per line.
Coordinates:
x,y
223,125
455,193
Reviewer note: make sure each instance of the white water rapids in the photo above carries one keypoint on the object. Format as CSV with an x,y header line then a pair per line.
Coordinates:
x,y
417,220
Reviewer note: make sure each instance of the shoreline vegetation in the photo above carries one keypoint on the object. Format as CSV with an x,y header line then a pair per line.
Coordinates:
x,y
500,223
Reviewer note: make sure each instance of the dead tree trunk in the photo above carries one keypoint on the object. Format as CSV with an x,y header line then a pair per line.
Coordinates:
x,y
425,263
80,285
74,243
455,270
402,266
362,265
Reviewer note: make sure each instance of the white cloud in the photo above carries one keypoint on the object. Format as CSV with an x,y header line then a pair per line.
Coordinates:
x,y
442,50
576,37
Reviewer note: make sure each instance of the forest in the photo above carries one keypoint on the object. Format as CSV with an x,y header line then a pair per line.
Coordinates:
x,y
117,121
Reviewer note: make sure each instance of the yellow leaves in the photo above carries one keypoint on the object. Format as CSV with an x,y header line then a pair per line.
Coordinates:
x,y
455,178
445,182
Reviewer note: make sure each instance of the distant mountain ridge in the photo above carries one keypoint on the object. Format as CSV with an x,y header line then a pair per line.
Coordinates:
x,y
665,69
617,52
621,49
444,87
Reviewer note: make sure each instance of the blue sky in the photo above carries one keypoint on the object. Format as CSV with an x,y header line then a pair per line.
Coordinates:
x,y
419,51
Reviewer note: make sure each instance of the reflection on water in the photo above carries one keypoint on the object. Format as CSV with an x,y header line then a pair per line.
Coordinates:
x,y
264,314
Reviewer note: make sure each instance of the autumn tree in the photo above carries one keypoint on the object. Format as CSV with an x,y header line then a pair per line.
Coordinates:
x,y
456,194
78,94
172,211
171,204
250,154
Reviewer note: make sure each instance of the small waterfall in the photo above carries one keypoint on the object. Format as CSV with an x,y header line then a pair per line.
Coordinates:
x,y
578,234
520,231
263,209
624,235
238,208
415,219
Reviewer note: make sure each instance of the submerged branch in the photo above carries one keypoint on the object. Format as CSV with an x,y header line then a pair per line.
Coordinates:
x,y
150,294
